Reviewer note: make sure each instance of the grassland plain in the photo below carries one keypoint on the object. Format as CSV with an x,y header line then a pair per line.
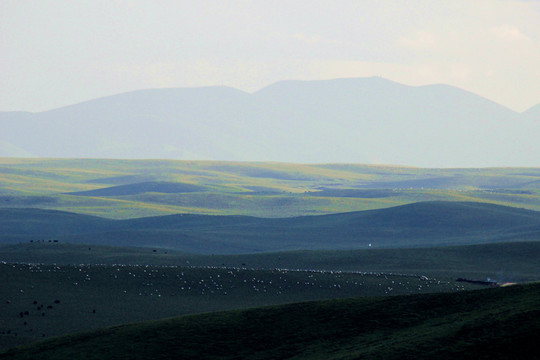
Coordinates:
x,y
501,262
40,301
44,300
498,323
249,188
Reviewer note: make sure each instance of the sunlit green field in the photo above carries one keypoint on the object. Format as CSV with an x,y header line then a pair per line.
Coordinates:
x,y
257,189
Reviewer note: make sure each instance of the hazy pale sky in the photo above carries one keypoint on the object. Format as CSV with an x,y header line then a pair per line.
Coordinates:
x,y
56,53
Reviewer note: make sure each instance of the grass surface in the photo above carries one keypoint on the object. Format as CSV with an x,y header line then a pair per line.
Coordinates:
x,y
46,300
497,323
426,224
120,187
504,262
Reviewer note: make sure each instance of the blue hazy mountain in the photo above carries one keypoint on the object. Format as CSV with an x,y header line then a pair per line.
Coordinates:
x,y
533,113
360,120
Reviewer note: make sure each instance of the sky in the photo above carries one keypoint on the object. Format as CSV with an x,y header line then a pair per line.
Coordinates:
x,y
55,53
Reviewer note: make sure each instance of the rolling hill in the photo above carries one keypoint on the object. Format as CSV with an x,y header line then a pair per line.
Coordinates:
x,y
140,188
124,189
375,120
499,323
533,113
424,224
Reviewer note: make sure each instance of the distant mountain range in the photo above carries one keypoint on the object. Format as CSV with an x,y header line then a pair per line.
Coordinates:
x,y
359,120
425,224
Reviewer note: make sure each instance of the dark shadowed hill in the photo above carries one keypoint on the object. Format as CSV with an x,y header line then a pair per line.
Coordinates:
x,y
39,224
421,224
499,323
362,120
139,188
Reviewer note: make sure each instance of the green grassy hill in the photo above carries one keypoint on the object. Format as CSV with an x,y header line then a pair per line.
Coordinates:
x,y
120,188
425,224
141,188
500,323
168,238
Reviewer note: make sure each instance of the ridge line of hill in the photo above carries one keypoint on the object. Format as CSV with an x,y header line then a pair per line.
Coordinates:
x,y
423,224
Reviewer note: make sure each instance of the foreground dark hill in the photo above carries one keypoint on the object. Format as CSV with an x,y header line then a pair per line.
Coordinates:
x,y
66,296
362,120
497,323
424,224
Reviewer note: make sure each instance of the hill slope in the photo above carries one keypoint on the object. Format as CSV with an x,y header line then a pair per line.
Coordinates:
x,y
123,294
375,120
501,262
250,188
424,224
140,188
495,323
